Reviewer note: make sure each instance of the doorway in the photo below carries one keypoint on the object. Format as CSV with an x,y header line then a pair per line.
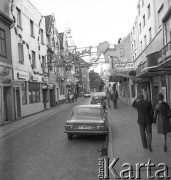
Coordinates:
x,y
18,106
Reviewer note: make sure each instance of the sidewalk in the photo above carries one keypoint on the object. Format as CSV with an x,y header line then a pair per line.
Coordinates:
x,y
11,127
125,141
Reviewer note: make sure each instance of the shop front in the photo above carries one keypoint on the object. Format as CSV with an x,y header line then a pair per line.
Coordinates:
x,y
6,95
27,93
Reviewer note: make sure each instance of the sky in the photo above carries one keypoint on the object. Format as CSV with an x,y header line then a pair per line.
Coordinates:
x,y
91,21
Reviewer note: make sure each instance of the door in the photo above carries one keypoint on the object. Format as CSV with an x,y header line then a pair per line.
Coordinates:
x,y
18,106
5,104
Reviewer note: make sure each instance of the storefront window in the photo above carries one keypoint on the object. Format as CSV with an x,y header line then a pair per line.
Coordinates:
x,y
34,92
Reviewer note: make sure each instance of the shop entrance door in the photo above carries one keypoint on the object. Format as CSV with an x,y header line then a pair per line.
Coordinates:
x,y
18,102
44,92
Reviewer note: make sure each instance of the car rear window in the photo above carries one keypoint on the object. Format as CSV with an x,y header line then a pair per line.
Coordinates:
x,y
87,111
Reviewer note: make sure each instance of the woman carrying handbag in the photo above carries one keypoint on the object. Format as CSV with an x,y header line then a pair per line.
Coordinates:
x,y
162,115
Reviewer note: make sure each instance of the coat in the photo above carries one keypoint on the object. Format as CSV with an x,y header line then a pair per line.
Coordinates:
x,y
114,96
145,112
163,121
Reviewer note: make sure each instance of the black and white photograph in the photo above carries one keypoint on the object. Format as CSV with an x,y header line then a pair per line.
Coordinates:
x,y
85,89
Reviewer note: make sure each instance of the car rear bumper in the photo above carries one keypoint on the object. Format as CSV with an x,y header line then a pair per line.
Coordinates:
x,y
86,132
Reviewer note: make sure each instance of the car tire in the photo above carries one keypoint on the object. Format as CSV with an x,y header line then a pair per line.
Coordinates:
x,y
70,136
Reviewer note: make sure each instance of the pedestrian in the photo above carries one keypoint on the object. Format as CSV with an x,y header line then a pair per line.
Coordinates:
x,y
108,97
114,98
104,102
162,115
145,120
70,97
75,96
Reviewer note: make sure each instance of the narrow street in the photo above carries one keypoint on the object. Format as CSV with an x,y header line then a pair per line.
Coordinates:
x,y
42,151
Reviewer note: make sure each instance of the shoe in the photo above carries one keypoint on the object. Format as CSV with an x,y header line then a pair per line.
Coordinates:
x,y
145,147
165,148
150,149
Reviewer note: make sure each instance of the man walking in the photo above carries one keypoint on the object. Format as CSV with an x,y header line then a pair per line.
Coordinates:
x,y
108,97
114,98
145,119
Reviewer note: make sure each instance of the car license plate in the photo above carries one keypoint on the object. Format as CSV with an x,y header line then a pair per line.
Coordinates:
x,y
84,127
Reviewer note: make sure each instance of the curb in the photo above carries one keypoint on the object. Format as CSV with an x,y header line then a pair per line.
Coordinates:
x,y
110,140
35,120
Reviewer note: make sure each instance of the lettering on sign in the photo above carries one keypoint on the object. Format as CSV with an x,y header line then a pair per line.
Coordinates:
x,y
35,78
124,66
22,75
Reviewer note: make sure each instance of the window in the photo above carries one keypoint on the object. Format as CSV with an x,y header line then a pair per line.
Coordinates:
x,y
132,47
150,35
138,9
135,55
133,58
19,17
143,20
134,44
145,41
42,38
121,51
141,46
142,3
133,30
140,27
149,11
33,59
24,93
168,30
34,92
43,63
20,53
160,16
2,43
32,28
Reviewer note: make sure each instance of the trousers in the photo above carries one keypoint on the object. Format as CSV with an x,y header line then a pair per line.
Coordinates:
x,y
146,134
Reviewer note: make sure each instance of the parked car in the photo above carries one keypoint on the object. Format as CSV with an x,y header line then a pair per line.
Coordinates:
x,y
97,97
87,120
87,95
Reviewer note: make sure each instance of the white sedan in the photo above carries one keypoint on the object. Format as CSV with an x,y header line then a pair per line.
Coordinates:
x,y
87,95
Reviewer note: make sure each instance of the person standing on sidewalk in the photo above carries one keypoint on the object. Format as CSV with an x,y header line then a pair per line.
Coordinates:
x,y
162,115
145,119
114,98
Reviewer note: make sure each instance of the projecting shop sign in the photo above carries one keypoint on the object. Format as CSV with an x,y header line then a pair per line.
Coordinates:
x,y
124,66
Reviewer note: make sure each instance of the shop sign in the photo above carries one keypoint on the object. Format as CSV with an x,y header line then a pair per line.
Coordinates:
x,y
5,80
15,83
124,66
143,66
23,75
45,79
35,78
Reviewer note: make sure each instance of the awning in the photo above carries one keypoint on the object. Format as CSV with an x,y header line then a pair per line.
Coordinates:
x,y
118,77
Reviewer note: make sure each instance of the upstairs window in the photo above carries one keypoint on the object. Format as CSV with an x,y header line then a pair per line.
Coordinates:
x,y
42,37
43,63
150,35
149,10
142,3
20,53
141,46
138,9
32,28
3,43
144,20
160,15
19,17
140,27
33,59
145,41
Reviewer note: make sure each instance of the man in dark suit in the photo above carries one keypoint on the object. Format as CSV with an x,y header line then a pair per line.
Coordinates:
x,y
145,119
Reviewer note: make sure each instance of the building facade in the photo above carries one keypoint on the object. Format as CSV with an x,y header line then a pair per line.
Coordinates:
x,y
150,80
28,39
6,71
